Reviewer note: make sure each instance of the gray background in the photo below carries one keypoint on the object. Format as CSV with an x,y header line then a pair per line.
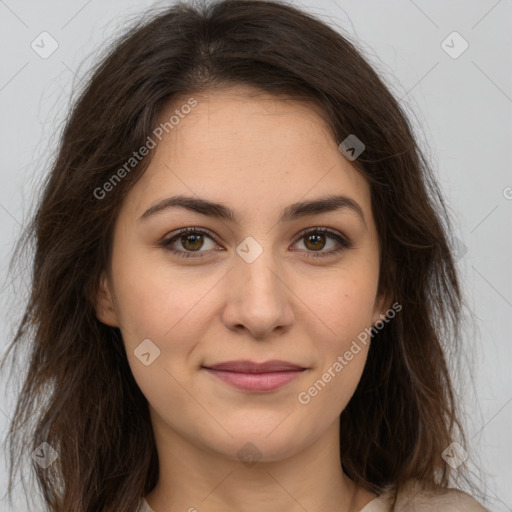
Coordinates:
x,y
461,108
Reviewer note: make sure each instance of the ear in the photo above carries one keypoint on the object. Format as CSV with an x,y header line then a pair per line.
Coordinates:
x,y
382,305
104,305
385,292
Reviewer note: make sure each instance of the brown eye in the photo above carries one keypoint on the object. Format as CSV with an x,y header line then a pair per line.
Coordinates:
x,y
192,242
189,242
317,239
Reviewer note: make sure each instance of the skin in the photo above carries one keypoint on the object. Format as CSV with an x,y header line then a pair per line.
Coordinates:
x,y
256,154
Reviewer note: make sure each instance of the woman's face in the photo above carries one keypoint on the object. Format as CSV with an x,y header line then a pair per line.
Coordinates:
x,y
247,286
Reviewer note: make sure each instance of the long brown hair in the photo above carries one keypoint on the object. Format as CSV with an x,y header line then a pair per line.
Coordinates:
x,y
79,395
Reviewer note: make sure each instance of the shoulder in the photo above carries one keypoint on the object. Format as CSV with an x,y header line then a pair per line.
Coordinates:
x,y
450,500
413,498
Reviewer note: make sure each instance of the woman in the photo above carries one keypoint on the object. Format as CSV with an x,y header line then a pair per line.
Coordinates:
x,y
242,284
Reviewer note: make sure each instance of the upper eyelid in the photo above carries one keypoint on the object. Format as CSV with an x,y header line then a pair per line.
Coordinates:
x,y
192,229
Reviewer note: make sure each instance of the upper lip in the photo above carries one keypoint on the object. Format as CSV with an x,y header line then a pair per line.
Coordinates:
x,y
245,366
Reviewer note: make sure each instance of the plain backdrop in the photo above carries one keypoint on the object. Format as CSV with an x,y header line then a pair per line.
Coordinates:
x,y
460,102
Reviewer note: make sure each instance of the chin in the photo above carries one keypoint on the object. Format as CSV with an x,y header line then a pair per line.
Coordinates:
x,y
263,444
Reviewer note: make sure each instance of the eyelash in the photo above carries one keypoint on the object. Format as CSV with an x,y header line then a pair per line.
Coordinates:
x,y
344,242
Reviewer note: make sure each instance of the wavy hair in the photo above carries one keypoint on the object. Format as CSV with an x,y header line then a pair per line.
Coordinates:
x,y
78,393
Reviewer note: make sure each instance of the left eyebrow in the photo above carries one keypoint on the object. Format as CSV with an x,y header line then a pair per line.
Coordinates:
x,y
291,212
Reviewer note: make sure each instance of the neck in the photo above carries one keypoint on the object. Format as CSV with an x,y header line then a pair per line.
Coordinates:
x,y
193,478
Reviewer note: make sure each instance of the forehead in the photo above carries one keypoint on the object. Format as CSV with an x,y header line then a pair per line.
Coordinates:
x,y
225,118
246,147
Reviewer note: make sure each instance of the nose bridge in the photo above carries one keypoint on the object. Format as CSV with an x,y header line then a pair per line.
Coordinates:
x,y
258,299
256,268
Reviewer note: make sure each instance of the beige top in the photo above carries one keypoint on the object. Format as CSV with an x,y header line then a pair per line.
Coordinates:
x,y
409,500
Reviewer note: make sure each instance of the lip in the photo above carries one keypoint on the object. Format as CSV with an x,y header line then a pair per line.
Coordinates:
x,y
246,366
252,376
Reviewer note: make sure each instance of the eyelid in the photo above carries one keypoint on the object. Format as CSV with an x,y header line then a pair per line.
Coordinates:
x,y
193,229
322,229
344,241
175,235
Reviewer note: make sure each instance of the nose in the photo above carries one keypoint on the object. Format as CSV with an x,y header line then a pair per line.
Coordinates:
x,y
258,298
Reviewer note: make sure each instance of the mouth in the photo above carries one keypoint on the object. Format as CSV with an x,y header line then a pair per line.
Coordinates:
x,y
252,376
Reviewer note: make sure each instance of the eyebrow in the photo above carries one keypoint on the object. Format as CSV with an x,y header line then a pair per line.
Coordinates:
x,y
291,212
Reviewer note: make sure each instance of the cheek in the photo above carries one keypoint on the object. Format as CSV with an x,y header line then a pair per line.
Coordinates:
x,y
153,300
343,307
152,305
343,303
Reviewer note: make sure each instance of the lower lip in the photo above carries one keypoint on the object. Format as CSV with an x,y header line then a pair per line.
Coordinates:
x,y
256,381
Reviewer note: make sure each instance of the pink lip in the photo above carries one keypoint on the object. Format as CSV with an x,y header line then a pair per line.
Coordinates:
x,y
251,376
